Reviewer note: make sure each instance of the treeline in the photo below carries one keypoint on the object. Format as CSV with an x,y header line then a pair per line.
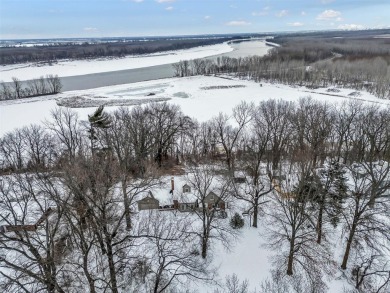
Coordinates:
x,y
69,189
160,134
53,53
49,85
367,46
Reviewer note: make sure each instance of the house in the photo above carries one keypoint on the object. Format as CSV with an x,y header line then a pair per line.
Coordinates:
x,y
186,188
29,228
187,202
148,202
214,201
186,206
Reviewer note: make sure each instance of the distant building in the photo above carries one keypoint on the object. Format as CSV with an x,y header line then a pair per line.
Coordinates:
x,y
239,177
186,188
214,201
186,206
148,202
187,202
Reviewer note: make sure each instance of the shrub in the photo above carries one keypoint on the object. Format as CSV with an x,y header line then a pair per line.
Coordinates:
x,y
237,221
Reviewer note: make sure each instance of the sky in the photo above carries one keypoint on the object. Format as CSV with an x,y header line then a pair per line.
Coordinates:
x,y
27,19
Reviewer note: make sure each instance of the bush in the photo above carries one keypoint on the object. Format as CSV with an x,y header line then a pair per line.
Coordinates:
x,y
237,221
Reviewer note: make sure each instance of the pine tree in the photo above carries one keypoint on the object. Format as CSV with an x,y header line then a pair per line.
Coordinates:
x,y
335,187
237,222
98,120
331,196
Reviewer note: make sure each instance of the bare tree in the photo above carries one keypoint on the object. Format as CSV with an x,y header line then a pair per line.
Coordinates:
x,y
204,180
171,253
233,285
366,207
53,83
346,117
92,184
313,123
134,177
32,239
167,122
13,150
292,231
370,272
226,134
65,127
276,117
17,87
6,92
39,147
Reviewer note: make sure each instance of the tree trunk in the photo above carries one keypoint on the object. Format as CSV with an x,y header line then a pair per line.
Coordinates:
x,y
291,256
91,282
111,267
158,279
159,157
228,160
204,249
204,246
127,205
275,159
319,221
348,248
255,213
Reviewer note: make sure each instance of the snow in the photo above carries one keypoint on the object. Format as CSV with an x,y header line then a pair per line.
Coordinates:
x,y
81,67
202,97
192,94
248,258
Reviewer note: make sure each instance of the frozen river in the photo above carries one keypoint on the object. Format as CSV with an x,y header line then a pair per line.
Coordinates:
x,y
99,73
88,81
94,80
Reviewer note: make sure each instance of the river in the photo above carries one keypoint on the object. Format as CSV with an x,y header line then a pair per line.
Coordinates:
x,y
88,81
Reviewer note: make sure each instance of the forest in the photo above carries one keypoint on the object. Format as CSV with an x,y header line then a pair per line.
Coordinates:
x,y
17,89
361,62
313,174
59,51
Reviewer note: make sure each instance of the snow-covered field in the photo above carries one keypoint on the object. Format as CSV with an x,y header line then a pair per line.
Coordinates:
x,y
81,67
201,97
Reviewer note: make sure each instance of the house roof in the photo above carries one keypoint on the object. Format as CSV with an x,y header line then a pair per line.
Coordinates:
x,y
148,197
187,198
208,197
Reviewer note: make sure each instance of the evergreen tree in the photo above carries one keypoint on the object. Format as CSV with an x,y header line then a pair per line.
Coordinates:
x,y
331,197
237,222
98,120
334,183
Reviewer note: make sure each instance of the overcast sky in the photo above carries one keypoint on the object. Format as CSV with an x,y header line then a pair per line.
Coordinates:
x,y
108,18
